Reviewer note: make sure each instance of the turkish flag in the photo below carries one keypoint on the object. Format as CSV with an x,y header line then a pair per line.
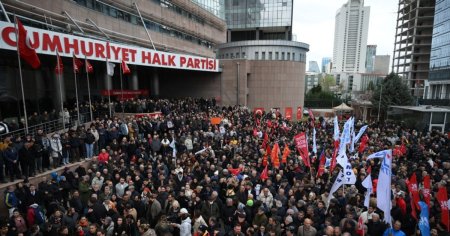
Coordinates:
x,y
299,113
442,197
59,68
427,189
286,153
26,51
363,143
333,158
89,67
77,63
235,172
125,68
288,113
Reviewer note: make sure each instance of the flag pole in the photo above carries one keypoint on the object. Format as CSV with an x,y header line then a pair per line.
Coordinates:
x,y
60,88
76,90
109,91
121,86
20,76
89,88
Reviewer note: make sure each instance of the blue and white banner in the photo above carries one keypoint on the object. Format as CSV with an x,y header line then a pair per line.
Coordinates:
x,y
336,129
360,133
384,185
337,184
345,136
314,141
367,183
350,177
380,154
352,145
424,224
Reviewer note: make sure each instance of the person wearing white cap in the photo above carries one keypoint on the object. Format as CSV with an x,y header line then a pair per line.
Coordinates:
x,y
185,226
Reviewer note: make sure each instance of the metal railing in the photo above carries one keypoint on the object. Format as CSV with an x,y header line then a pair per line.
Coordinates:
x,y
50,126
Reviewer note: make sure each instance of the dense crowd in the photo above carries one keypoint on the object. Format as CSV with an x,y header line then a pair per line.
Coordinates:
x,y
179,174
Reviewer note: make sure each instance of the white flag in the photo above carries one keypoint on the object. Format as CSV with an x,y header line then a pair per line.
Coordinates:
x,y
384,184
336,129
341,159
360,133
352,145
337,183
350,177
201,151
174,148
110,68
367,183
314,141
345,136
380,154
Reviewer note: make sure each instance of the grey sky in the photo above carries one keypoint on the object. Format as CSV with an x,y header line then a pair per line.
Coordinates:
x,y
313,23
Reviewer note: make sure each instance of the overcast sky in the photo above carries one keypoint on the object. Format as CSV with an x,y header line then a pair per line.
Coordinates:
x,y
313,24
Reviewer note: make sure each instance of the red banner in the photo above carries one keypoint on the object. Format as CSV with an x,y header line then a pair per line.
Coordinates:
x,y
150,115
302,146
286,153
322,161
274,155
288,113
442,197
299,113
414,190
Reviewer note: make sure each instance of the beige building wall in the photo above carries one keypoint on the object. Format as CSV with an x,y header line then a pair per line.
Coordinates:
x,y
267,84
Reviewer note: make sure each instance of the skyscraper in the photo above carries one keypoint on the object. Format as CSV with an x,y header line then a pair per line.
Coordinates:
x,y
439,76
413,42
350,37
313,67
370,54
325,63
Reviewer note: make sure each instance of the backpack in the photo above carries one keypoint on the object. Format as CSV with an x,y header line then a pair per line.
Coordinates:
x,y
39,216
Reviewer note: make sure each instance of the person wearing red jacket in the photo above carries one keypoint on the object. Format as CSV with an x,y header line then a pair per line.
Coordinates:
x,y
103,157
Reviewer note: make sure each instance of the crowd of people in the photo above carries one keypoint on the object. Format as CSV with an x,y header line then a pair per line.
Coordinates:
x,y
181,174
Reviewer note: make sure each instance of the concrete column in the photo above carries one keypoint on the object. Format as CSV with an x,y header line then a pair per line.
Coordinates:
x,y
257,34
228,36
286,33
155,84
60,91
134,79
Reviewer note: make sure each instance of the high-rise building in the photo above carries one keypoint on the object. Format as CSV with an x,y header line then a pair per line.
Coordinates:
x,y
413,42
260,59
439,76
371,51
350,37
313,67
325,63
381,64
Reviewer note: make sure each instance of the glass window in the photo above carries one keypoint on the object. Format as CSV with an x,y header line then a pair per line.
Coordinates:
x,y
243,55
263,54
256,56
237,55
276,56
282,56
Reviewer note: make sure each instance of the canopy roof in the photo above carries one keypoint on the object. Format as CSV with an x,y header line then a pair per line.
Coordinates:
x,y
342,107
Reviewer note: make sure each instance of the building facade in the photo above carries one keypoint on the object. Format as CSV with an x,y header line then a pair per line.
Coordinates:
x,y
313,67
180,45
350,37
381,64
262,66
311,81
439,76
412,46
326,61
371,51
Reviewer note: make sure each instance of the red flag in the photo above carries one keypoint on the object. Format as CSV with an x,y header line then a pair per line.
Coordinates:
x,y
411,196
311,115
288,113
414,190
363,144
265,140
235,172
321,164
255,132
265,157
333,158
427,189
442,197
369,170
125,68
89,67
59,68
274,155
264,174
77,63
26,51
286,153
299,113
302,147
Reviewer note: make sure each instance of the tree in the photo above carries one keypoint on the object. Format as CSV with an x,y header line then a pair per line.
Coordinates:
x,y
326,82
394,93
370,86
